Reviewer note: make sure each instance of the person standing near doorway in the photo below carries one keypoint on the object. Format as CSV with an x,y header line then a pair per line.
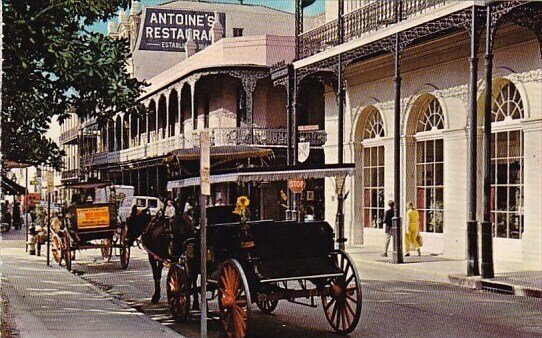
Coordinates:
x,y
413,222
389,214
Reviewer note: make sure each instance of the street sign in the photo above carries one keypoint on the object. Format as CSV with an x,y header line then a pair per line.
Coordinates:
x,y
205,164
296,185
50,181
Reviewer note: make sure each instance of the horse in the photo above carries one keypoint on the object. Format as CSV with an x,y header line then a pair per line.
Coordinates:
x,y
163,240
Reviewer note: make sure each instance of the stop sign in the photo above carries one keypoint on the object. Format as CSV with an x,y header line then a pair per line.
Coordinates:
x,y
296,185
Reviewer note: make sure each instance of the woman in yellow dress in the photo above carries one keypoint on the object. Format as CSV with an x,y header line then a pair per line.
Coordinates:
x,y
413,223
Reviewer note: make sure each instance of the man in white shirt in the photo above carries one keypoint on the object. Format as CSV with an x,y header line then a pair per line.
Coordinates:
x,y
170,210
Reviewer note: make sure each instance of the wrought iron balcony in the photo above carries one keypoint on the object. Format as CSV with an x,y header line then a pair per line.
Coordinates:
x,y
70,175
366,19
69,136
262,137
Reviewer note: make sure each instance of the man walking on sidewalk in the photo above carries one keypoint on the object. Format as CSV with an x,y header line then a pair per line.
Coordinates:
x,y
388,216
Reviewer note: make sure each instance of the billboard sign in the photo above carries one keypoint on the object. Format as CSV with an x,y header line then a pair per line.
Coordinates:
x,y
166,30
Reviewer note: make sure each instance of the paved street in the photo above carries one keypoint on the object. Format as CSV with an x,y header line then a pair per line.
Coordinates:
x,y
397,302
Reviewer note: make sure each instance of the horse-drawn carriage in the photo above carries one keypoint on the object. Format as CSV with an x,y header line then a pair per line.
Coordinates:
x,y
263,263
92,226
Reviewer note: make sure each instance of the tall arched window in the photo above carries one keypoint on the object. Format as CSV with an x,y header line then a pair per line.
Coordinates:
x,y
430,167
507,163
373,171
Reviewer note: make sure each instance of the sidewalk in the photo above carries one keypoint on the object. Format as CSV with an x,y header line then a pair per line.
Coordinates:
x,y
42,301
508,278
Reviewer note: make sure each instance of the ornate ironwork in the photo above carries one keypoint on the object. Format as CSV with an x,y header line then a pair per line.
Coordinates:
x,y
355,24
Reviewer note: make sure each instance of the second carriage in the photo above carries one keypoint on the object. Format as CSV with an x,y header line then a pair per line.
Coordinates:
x,y
92,226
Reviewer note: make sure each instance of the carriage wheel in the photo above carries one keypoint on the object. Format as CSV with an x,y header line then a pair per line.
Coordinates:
x,y
68,253
267,306
343,305
57,249
124,248
107,249
234,299
178,292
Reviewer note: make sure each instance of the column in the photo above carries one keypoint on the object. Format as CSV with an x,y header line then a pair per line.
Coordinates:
x,y
249,85
487,238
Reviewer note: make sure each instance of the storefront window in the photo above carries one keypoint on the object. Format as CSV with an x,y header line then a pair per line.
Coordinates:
x,y
373,173
507,167
430,170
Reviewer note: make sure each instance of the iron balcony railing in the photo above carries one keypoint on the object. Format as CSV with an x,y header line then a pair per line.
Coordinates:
x,y
70,174
262,137
366,19
69,135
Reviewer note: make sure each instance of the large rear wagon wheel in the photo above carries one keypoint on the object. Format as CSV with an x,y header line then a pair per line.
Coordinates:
x,y
178,292
343,305
234,299
57,249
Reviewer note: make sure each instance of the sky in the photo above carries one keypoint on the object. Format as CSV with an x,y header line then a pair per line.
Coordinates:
x,y
285,5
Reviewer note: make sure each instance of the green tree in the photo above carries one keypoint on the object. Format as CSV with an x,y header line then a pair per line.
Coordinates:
x,y
53,65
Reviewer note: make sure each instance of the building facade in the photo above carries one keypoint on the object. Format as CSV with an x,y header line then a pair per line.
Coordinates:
x,y
354,54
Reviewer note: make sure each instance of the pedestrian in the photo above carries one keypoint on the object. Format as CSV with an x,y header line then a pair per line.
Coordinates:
x,y
16,215
170,210
389,214
413,223
6,214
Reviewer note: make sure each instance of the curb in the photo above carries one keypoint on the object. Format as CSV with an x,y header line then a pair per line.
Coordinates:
x,y
478,283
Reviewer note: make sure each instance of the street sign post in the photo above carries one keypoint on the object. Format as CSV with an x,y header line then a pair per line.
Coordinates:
x,y
205,187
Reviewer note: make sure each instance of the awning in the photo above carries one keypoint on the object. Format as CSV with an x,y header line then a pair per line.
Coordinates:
x,y
8,164
221,153
270,174
88,185
9,187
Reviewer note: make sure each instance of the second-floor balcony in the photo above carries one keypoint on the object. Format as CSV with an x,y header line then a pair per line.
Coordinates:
x,y
365,20
68,175
69,136
259,137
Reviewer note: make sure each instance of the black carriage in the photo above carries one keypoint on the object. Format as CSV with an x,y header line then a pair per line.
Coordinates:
x,y
92,226
264,262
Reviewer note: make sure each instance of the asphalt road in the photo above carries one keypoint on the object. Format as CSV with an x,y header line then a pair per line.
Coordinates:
x,y
395,304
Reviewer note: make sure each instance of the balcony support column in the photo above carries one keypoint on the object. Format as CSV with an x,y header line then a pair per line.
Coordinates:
x,y
290,111
156,119
298,27
397,226
249,86
179,111
472,223
193,111
487,238
166,132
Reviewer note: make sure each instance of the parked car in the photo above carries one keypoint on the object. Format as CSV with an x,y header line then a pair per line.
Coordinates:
x,y
142,202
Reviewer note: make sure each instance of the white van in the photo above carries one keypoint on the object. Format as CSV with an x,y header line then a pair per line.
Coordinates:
x,y
121,192
142,202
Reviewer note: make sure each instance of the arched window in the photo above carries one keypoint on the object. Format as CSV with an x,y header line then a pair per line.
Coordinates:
x,y
432,117
507,165
507,105
430,168
373,171
374,127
